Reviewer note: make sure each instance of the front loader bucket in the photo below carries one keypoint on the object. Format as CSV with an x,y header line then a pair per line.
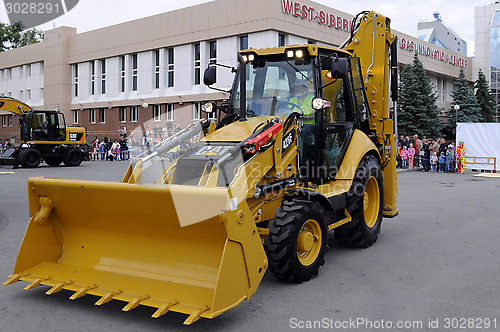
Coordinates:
x,y
177,248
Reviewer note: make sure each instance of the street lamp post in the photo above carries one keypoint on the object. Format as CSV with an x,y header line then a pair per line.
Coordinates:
x,y
456,107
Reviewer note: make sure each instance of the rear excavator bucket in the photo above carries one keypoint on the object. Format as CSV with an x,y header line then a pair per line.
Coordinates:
x,y
174,248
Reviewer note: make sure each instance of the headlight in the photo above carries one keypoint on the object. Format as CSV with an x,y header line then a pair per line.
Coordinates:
x,y
320,103
207,107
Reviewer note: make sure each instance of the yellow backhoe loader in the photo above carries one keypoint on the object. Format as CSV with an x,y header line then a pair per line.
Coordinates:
x,y
306,147
44,137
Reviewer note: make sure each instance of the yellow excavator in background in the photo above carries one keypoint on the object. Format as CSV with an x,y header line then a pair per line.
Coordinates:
x,y
44,137
305,151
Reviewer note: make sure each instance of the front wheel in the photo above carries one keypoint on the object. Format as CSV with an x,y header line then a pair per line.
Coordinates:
x,y
30,158
296,243
365,203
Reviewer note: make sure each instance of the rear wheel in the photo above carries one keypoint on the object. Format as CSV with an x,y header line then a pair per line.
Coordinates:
x,y
53,161
296,243
365,204
74,157
30,158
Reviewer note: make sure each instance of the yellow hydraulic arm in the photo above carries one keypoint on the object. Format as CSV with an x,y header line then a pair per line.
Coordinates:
x,y
371,43
13,105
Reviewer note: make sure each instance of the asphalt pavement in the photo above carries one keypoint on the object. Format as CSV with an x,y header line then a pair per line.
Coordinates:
x,y
435,267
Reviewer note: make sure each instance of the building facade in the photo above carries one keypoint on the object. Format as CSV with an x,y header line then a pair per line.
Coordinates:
x,y
149,72
487,36
437,33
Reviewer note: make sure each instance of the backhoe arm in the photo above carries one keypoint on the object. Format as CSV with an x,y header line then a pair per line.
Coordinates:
x,y
12,105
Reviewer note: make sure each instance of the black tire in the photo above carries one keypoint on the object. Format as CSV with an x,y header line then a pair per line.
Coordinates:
x,y
53,161
365,204
74,157
30,158
299,223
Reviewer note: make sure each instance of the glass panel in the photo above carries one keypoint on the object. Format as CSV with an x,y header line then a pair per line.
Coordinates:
x,y
359,91
277,88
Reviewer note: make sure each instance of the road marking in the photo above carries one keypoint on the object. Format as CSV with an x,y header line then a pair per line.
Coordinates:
x,y
488,175
7,173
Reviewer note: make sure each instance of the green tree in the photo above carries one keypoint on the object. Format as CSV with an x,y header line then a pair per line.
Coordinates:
x,y
13,36
469,110
484,98
417,110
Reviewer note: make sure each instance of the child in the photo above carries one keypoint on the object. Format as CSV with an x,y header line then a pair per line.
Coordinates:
x,y
447,161
411,154
441,162
434,161
404,157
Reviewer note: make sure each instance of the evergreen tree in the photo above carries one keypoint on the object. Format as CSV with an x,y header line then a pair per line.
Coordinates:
x,y
484,98
13,36
417,110
469,108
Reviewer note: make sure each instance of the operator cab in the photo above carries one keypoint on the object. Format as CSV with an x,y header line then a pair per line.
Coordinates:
x,y
320,85
42,125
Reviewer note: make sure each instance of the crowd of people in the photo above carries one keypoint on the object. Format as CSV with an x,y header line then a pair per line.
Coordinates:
x,y
428,154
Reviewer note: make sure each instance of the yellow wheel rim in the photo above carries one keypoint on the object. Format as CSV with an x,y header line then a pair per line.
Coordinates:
x,y
371,202
309,242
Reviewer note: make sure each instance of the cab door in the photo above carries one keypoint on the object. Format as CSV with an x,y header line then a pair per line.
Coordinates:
x,y
56,127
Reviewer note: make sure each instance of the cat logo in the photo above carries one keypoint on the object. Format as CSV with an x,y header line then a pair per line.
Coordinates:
x,y
73,136
210,150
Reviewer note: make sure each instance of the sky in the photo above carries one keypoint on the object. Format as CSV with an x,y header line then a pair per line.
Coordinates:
x,y
404,14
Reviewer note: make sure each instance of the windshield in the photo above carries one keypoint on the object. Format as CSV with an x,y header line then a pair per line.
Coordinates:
x,y
277,88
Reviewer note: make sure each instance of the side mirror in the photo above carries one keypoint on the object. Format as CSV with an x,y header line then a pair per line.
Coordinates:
x,y
339,68
209,75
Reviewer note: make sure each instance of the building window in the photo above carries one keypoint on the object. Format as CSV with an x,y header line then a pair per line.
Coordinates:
x,y
170,112
21,94
75,80
134,114
244,42
92,77
9,73
196,111
103,76
4,121
75,117
9,120
170,68
122,70
92,115
28,70
102,115
41,92
281,39
134,72
122,114
213,52
157,68
212,115
28,94
197,63
156,113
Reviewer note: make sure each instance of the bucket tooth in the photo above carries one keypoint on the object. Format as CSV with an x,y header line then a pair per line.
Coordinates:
x,y
36,283
195,315
107,297
58,287
82,292
135,303
15,278
163,309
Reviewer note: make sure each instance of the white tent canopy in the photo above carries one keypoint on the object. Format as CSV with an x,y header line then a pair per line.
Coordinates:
x,y
480,140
